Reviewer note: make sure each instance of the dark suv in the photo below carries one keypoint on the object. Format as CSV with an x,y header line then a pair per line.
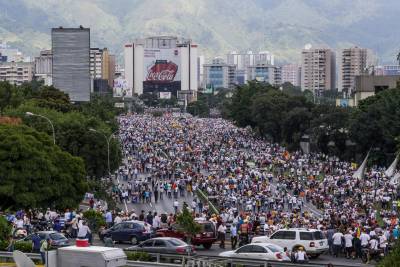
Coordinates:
x,y
206,237
129,231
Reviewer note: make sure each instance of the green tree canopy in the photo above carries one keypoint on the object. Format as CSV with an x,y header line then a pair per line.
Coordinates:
x,y
34,173
73,136
376,124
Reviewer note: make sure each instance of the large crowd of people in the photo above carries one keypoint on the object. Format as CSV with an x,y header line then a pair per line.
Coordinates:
x,y
253,181
258,187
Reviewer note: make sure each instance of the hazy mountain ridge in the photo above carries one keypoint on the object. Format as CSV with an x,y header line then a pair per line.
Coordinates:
x,y
280,26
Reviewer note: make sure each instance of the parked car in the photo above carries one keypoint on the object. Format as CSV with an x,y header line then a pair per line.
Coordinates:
x,y
258,251
56,239
313,241
205,238
129,231
167,245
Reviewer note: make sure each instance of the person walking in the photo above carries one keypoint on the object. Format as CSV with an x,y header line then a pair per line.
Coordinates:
x,y
221,235
337,243
36,243
43,248
233,230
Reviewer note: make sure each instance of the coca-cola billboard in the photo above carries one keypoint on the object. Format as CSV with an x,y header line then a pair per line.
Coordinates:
x,y
162,70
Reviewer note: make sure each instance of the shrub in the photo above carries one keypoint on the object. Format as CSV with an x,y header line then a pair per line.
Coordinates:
x,y
3,245
24,246
138,256
95,219
393,258
5,229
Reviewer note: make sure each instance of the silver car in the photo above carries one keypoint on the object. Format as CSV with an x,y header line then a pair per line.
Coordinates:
x,y
165,245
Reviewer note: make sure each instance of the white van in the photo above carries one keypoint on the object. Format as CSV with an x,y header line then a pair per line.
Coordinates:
x,y
312,240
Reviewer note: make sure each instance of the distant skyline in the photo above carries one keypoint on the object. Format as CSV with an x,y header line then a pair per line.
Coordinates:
x,y
282,27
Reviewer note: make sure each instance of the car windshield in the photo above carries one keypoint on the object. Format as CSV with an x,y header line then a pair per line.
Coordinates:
x,y
57,236
207,227
177,242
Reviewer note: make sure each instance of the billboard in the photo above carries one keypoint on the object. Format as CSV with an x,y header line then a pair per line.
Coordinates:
x,y
121,88
162,70
165,95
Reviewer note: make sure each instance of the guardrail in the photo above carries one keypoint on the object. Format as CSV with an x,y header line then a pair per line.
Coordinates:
x,y
173,260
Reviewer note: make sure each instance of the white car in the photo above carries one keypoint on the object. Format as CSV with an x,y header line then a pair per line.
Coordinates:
x,y
259,251
313,241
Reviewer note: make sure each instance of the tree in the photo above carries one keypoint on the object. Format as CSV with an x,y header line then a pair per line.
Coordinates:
x,y
376,124
35,173
73,136
199,108
5,95
187,223
239,106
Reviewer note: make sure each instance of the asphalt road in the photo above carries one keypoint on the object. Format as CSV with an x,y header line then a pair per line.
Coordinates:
x,y
215,250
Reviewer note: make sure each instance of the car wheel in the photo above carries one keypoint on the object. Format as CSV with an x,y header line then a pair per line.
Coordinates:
x,y
314,256
207,246
134,240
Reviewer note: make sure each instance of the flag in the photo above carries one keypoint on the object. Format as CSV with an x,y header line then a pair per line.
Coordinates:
x,y
359,173
392,168
395,179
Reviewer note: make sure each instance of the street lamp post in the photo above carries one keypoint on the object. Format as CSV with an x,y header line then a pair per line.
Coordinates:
x,y
108,140
41,116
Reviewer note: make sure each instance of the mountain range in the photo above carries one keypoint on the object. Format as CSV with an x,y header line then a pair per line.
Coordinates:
x,y
282,27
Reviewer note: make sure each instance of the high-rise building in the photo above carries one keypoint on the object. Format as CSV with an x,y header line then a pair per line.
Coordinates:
x,y
291,73
200,71
263,73
318,70
248,59
96,63
352,62
102,66
71,51
219,74
17,72
161,64
43,67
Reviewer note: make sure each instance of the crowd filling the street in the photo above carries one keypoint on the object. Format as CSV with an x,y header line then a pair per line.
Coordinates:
x,y
247,190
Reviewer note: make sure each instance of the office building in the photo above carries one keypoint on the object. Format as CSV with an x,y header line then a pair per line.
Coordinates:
x,y
318,70
71,51
263,73
200,71
352,62
161,64
44,67
248,59
17,73
369,85
108,68
3,58
219,74
96,63
291,73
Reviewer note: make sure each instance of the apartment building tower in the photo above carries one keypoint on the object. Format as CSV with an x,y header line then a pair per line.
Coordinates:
x,y
352,62
318,70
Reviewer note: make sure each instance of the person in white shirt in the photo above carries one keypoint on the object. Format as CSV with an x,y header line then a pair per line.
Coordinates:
x,y
383,243
156,221
233,233
364,239
117,219
221,234
337,243
348,242
176,205
300,256
84,232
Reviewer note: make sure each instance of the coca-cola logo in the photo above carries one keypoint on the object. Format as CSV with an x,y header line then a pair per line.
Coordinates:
x,y
162,72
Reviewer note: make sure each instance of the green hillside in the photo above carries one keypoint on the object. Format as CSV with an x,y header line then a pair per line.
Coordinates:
x,y
280,26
